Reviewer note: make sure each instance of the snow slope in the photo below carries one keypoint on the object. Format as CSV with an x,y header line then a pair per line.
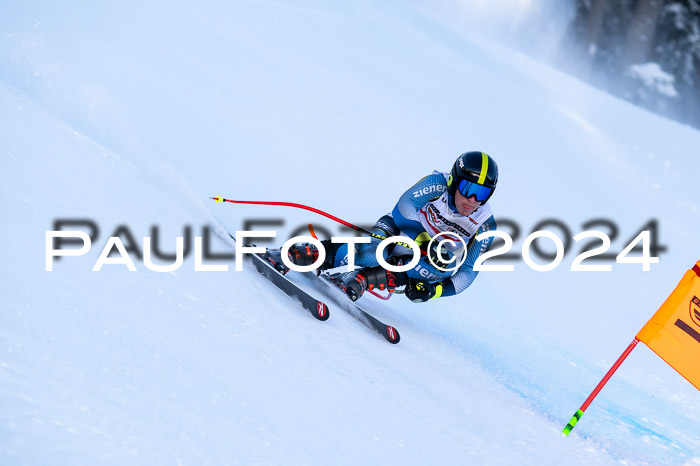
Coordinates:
x,y
134,115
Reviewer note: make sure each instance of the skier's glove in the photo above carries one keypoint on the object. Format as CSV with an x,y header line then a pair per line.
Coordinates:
x,y
440,259
422,240
419,291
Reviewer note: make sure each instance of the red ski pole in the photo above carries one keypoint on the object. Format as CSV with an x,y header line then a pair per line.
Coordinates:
x,y
601,384
312,209
306,207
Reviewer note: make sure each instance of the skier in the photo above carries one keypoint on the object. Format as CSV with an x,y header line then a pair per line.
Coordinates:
x,y
455,202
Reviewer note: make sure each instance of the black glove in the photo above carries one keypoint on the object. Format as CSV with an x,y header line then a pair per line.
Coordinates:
x,y
440,259
419,291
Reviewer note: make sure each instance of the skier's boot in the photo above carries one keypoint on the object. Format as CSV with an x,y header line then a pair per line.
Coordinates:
x,y
354,284
307,253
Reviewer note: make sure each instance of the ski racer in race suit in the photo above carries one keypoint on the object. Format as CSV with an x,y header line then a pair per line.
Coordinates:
x,y
455,202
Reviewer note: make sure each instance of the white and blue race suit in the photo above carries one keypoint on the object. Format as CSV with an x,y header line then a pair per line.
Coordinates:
x,y
426,208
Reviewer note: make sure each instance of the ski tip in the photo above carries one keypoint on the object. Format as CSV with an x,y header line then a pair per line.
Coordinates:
x,y
322,312
392,335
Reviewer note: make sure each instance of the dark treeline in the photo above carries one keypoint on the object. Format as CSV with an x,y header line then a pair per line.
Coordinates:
x,y
612,38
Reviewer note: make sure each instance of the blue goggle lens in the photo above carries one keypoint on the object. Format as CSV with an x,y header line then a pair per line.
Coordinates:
x,y
469,189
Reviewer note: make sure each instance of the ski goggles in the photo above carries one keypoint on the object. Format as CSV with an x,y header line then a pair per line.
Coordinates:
x,y
468,189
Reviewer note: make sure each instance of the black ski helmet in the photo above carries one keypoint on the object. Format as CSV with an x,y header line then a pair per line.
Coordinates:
x,y
477,167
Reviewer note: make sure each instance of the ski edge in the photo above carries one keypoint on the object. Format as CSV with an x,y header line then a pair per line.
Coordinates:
x,y
389,332
317,308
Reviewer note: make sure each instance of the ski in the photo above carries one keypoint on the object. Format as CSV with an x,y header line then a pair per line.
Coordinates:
x,y
317,308
269,268
387,331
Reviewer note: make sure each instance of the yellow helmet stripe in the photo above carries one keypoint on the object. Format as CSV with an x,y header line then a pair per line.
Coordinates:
x,y
484,168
